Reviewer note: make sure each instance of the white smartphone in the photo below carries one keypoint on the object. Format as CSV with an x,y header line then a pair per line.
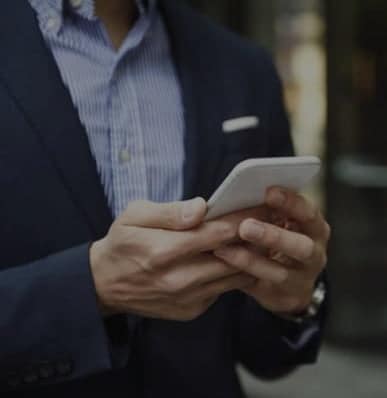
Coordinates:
x,y
246,185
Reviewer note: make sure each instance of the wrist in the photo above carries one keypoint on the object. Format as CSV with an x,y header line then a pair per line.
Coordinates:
x,y
95,260
311,310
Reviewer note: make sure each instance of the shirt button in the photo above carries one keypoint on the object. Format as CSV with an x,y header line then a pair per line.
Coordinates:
x,y
64,368
76,3
53,23
46,371
124,156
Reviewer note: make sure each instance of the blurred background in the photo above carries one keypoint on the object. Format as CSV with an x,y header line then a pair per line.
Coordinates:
x,y
332,56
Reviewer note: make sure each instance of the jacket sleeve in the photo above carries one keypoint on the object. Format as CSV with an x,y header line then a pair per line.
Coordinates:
x,y
269,346
50,327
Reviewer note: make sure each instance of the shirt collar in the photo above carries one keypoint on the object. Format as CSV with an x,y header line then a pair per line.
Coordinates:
x,y
51,12
58,5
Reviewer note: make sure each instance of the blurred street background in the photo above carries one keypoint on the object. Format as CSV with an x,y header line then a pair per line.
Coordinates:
x,y
332,57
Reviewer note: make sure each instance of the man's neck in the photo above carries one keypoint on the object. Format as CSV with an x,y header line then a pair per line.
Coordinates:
x,y
118,16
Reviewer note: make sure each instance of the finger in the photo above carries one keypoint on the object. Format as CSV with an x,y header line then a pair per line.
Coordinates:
x,y
199,271
262,213
249,261
207,237
162,248
292,244
299,209
171,216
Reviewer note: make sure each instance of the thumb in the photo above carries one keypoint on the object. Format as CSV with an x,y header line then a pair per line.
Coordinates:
x,y
172,216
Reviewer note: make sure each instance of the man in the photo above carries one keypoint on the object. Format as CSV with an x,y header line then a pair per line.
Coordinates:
x,y
104,104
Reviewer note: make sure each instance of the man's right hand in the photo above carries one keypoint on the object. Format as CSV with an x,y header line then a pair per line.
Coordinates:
x,y
156,261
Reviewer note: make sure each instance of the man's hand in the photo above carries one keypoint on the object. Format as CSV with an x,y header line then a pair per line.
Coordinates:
x,y
285,261
156,262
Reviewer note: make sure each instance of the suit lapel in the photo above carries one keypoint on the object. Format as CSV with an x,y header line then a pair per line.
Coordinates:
x,y
37,88
202,111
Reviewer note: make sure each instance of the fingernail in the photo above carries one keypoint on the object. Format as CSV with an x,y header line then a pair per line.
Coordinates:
x,y
255,229
277,198
190,209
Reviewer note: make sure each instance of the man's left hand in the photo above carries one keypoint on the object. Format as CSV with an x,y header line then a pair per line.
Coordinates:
x,y
286,259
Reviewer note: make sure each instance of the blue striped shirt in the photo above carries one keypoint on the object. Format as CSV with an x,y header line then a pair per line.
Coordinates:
x,y
129,100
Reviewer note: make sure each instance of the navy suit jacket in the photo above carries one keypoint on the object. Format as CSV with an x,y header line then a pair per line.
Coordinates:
x,y
53,340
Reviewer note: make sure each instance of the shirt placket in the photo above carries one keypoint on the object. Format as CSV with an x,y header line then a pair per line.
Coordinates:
x,y
127,141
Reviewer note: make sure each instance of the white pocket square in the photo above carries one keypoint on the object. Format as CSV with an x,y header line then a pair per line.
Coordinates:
x,y
240,123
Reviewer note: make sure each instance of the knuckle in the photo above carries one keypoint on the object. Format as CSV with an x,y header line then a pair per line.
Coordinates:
x,y
296,203
171,215
272,236
169,285
117,240
177,283
233,256
312,215
327,231
241,258
147,264
225,231
150,263
307,250
289,199
157,255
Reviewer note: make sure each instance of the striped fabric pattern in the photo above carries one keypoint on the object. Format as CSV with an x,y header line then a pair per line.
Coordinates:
x,y
129,100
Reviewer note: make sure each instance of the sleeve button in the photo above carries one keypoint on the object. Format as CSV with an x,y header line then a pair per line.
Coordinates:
x,y
64,368
46,372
